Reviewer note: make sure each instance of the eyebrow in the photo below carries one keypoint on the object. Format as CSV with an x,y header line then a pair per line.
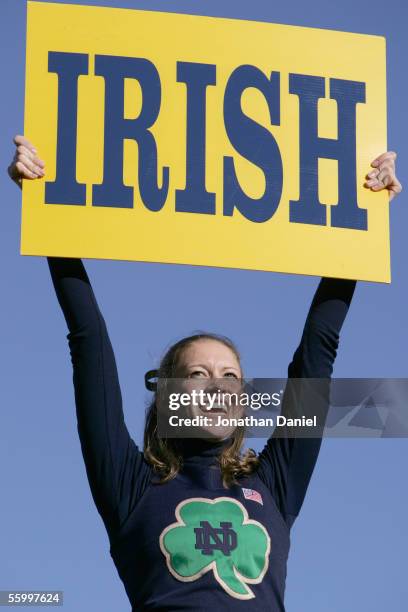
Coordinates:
x,y
200,365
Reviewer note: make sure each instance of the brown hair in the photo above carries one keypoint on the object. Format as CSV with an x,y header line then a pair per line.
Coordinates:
x,y
164,454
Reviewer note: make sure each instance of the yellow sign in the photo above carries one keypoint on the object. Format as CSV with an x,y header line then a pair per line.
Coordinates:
x,y
197,140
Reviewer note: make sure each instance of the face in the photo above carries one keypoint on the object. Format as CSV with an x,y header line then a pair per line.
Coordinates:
x,y
208,358
210,366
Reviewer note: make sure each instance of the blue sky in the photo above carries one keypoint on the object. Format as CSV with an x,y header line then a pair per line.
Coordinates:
x,y
349,544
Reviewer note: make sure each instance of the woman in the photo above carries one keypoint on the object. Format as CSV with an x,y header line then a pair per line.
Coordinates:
x,y
194,524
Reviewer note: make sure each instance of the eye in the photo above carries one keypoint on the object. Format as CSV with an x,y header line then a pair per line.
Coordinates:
x,y
197,374
230,375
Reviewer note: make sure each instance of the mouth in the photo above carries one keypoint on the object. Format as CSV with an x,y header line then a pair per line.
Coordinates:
x,y
215,409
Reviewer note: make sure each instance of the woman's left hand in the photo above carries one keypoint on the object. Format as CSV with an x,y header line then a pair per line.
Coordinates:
x,y
383,176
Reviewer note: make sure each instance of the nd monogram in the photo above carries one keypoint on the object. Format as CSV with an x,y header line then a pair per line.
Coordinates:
x,y
209,538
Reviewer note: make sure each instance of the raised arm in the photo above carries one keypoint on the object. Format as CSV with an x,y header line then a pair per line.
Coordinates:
x,y
287,461
116,470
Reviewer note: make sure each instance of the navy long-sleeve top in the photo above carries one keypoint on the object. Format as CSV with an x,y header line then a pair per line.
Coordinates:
x,y
191,543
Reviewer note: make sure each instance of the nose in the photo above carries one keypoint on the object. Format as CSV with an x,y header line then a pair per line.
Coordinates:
x,y
224,385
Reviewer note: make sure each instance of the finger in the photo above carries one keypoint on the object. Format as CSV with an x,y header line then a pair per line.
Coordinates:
x,y
30,165
371,183
394,187
23,150
388,155
24,172
387,163
372,174
21,140
386,177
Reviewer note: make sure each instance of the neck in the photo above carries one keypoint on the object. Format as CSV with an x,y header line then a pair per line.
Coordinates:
x,y
202,448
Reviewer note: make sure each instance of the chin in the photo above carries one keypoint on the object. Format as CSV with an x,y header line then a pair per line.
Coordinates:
x,y
216,433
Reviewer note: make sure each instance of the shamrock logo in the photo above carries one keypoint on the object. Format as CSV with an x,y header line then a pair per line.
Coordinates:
x,y
217,535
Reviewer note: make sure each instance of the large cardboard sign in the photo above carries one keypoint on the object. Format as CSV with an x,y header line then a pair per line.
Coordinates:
x,y
196,140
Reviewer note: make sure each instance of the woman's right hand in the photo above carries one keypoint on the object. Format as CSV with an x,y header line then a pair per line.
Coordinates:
x,y
25,164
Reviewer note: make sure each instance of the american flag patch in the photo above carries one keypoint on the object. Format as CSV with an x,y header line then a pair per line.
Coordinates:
x,y
252,495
